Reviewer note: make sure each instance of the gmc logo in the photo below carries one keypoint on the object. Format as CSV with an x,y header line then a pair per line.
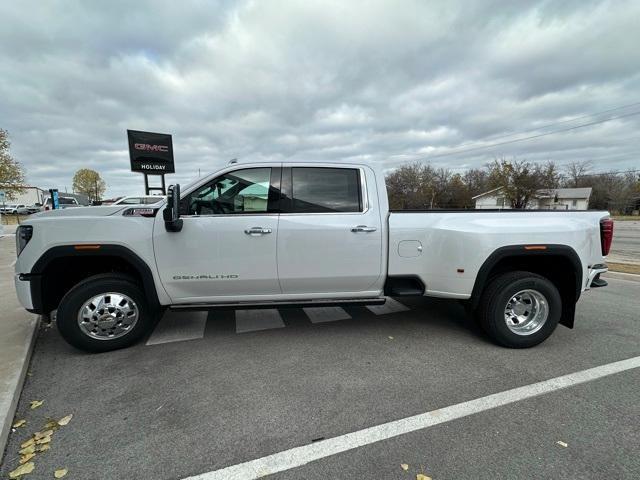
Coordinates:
x,y
150,148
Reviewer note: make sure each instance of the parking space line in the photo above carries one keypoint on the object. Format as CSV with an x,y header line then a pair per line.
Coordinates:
x,y
390,306
326,314
176,326
261,319
299,456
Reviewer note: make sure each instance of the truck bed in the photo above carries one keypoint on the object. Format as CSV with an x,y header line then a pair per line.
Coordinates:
x,y
446,248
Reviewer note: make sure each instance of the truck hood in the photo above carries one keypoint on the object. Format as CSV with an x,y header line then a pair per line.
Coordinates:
x,y
82,212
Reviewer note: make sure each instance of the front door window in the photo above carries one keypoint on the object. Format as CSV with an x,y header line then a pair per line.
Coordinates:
x,y
244,191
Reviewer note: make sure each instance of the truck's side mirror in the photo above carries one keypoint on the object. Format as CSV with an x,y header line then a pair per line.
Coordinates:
x,y
171,213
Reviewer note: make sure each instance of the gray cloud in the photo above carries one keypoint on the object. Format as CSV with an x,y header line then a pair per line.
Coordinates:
x,y
380,82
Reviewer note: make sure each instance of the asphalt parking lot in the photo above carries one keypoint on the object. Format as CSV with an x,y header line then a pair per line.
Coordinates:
x,y
210,390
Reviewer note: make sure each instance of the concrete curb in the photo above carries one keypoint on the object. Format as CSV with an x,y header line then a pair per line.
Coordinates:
x,y
622,276
18,330
12,378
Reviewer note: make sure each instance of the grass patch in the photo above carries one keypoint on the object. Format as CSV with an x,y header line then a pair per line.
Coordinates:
x,y
624,268
12,219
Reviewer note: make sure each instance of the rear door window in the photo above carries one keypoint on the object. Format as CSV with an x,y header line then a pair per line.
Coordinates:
x,y
321,190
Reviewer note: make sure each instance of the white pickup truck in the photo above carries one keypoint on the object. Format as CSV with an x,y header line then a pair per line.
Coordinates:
x,y
271,234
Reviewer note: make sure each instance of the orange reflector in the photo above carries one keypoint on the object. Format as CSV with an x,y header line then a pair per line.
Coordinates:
x,y
86,247
535,247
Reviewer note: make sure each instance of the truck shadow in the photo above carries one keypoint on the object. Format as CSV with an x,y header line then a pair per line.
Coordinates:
x,y
424,314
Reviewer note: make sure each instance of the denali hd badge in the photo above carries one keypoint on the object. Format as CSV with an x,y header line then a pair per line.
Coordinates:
x,y
205,277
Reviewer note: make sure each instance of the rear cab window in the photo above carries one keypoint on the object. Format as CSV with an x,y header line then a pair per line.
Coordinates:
x,y
324,190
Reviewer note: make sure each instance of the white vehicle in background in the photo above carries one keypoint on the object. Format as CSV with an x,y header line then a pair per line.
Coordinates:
x,y
303,234
12,209
29,209
139,200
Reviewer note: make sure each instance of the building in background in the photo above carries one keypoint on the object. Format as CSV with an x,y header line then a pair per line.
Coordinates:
x,y
546,199
34,195
29,196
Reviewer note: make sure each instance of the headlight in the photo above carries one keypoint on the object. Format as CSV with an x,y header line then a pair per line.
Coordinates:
x,y
23,235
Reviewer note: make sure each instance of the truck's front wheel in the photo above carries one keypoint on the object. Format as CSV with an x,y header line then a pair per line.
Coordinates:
x,y
520,309
104,312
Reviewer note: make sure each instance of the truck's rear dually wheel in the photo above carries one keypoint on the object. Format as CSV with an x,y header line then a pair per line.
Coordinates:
x,y
104,312
520,309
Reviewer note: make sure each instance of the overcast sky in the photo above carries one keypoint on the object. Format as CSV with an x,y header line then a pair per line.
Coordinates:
x,y
378,82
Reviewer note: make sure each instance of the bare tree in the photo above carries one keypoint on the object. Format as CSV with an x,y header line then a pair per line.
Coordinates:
x,y
11,172
520,180
406,187
576,173
419,186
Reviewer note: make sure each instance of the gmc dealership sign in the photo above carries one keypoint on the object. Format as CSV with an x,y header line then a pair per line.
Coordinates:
x,y
150,152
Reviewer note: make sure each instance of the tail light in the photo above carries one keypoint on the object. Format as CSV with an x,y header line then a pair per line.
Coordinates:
x,y
606,235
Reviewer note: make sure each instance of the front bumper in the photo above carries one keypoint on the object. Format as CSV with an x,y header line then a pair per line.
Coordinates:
x,y
23,290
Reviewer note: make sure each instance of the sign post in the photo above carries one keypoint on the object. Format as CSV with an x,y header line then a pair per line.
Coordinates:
x,y
2,200
55,202
151,154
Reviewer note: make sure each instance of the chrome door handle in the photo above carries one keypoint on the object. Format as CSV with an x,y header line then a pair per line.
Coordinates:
x,y
257,231
363,228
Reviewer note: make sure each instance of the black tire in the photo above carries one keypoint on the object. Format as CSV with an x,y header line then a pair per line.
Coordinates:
x,y
496,296
72,303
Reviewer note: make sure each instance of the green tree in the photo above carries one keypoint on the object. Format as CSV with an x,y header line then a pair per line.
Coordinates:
x,y
89,183
11,172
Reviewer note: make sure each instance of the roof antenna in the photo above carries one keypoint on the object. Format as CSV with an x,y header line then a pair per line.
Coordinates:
x,y
232,161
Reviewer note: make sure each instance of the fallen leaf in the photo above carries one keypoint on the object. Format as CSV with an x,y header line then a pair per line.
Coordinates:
x,y
46,433
60,473
44,448
65,420
51,425
404,466
562,444
36,403
22,470
26,458
19,423
43,440
26,450
26,443
420,476
390,338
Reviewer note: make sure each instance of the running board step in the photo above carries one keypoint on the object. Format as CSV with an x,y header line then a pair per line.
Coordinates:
x,y
349,302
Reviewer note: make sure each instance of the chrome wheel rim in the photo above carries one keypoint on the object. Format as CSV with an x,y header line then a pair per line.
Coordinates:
x,y
108,316
526,312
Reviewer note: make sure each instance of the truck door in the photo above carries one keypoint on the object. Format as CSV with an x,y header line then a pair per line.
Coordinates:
x,y
227,247
330,232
